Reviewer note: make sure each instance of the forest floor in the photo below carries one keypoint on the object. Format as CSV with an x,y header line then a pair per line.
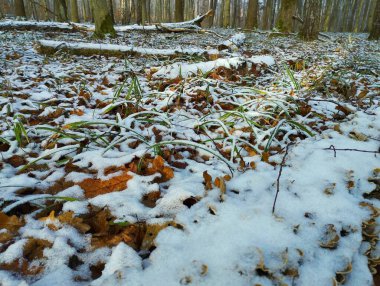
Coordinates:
x,y
164,170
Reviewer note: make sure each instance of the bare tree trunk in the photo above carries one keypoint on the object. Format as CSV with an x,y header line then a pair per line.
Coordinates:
x,y
267,15
359,16
20,8
311,20
375,29
138,11
60,10
327,15
226,13
167,11
110,5
253,14
212,6
179,10
285,22
102,17
74,11
144,14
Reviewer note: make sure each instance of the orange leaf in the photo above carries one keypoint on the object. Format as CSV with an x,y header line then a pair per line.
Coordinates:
x,y
96,187
207,181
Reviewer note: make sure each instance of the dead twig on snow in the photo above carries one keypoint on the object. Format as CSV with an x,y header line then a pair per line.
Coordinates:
x,y
279,175
332,147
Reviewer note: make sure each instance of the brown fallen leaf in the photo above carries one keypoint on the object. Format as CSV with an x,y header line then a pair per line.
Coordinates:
x,y
96,187
221,184
207,181
76,222
10,223
149,200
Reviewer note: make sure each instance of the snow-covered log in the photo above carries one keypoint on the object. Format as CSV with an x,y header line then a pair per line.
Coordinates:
x,y
88,49
187,26
234,43
185,70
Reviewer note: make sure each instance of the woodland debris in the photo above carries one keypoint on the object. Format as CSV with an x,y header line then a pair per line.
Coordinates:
x,y
49,47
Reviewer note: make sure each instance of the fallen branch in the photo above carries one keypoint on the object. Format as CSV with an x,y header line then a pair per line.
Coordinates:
x,y
193,25
88,49
332,148
240,66
279,175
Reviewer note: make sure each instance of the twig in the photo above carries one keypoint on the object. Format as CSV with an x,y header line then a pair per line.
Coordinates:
x,y
279,175
332,147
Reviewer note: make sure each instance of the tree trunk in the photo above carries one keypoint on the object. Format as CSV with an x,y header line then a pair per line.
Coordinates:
x,y
327,15
110,7
285,17
60,10
311,20
167,11
138,11
226,13
74,11
252,16
20,8
179,5
375,29
144,14
267,15
102,18
359,16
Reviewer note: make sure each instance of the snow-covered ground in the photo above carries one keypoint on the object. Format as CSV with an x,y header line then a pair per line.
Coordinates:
x,y
144,171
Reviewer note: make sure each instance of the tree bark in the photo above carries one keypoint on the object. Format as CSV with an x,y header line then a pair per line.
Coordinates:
x,y
110,7
144,13
226,13
252,14
74,11
60,10
20,8
138,10
102,18
179,11
311,20
285,17
267,15
375,29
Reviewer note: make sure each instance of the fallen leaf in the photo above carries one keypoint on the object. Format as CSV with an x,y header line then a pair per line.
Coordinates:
x,y
96,187
221,184
207,181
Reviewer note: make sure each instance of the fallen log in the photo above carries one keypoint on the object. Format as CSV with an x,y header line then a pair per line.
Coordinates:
x,y
240,65
193,25
49,47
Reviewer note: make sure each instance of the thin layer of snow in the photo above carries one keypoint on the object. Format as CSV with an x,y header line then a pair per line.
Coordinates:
x,y
123,48
185,70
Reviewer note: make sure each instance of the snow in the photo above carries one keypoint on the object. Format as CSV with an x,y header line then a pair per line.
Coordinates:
x,y
185,70
123,48
237,241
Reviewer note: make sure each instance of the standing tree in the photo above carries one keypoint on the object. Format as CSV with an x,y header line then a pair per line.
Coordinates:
x,y
102,18
20,9
138,11
74,11
252,14
285,18
110,7
144,13
226,13
179,11
375,29
311,20
60,10
267,15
